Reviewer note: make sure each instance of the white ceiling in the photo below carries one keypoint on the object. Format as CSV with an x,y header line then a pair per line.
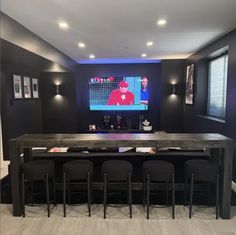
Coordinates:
x,y
119,29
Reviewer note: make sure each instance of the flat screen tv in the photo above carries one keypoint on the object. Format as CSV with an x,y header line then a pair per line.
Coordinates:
x,y
118,93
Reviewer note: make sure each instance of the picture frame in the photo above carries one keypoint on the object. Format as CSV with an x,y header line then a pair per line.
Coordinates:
x,y
35,88
27,87
17,87
189,90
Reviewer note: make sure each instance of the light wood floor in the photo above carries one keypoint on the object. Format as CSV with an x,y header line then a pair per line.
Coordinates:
x,y
117,223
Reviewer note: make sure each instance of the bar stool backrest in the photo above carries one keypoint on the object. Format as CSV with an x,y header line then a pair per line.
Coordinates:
x,y
158,170
203,170
37,170
117,170
78,169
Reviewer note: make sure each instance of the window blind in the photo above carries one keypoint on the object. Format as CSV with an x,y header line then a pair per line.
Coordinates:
x,y
217,87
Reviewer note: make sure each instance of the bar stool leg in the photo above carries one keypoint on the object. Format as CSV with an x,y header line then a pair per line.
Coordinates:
x,y
105,194
148,195
144,191
217,196
64,194
47,194
69,191
54,189
23,193
185,190
208,193
167,193
130,196
173,196
89,194
32,191
191,196
91,188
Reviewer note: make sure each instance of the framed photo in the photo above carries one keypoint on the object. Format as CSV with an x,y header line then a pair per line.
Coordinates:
x,y
35,88
17,87
27,88
189,84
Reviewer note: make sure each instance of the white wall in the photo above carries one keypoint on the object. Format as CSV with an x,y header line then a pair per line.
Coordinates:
x,y
3,164
1,153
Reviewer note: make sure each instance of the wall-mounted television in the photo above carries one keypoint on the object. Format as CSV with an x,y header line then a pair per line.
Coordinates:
x,y
118,93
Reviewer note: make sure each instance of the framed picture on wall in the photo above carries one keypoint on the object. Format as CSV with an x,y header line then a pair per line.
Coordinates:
x,y
17,87
189,93
27,88
35,88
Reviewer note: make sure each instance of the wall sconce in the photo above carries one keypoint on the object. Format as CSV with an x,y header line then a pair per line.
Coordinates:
x,y
173,95
57,93
173,89
58,90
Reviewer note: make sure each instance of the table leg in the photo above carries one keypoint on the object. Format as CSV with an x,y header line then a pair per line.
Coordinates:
x,y
224,157
27,154
15,178
226,181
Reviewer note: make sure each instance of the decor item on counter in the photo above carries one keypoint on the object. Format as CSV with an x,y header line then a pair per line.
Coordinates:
x,y
27,88
106,121
58,150
146,125
151,150
118,122
189,84
35,88
140,121
92,127
17,87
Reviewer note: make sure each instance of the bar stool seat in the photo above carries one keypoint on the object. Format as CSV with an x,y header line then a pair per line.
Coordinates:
x,y
35,171
78,170
202,171
158,171
117,171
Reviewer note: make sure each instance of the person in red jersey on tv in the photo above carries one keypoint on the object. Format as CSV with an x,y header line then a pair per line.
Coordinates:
x,y
121,96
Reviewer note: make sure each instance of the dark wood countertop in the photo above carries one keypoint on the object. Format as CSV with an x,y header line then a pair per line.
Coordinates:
x,y
206,140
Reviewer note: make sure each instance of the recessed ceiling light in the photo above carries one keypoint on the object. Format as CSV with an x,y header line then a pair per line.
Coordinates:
x,y
81,45
63,25
92,56
161,22
149,44
144,55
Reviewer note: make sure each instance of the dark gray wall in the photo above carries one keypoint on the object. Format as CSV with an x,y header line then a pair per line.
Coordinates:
x,y
24,116
59,113
195,123
172,105
18,116
191,113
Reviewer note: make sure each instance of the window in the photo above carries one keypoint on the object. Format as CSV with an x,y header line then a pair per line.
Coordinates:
x,y
217,86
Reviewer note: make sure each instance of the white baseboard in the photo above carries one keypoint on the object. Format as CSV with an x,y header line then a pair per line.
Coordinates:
x,y
233,185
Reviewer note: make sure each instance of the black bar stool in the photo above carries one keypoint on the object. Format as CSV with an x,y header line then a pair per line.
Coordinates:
x,y
36,171
78,170
202,171
117,171
158,171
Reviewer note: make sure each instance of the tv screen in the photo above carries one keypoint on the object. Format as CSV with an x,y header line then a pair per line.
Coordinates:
x,y
118,93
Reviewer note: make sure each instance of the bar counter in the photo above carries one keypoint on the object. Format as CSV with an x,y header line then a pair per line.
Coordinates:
x,y
220,146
